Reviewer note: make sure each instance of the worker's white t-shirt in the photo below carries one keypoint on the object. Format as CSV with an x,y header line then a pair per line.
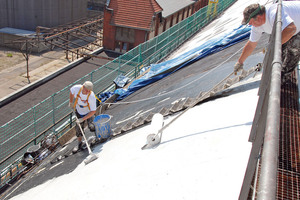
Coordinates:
x,y
81,105
290,13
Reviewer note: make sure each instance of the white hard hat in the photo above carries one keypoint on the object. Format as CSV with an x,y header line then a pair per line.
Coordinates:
x,y
88,85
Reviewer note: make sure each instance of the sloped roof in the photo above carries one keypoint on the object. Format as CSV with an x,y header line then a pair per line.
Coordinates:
x,y
134,13
172,6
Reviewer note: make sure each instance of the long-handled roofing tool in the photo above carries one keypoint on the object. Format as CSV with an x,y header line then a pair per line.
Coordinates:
x,y
156,125
91,157
155,139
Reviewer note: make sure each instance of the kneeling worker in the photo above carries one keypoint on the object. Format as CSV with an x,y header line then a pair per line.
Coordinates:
x,y
262,20
84,106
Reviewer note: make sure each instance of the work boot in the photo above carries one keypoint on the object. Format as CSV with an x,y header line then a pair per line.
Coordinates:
x,y
76,148
91,127
83,145
80,145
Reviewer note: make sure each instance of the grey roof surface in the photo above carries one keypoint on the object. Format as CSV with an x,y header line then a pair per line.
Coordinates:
x,y
172,6
15,31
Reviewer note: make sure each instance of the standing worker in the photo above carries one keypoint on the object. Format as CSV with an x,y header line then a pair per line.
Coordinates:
x,y
84,106
262,20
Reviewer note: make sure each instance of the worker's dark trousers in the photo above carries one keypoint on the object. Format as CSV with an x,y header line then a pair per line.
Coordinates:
x,y
89,122
290,55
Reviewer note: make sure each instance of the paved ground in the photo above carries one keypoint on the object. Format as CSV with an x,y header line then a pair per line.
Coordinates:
x,y
13,69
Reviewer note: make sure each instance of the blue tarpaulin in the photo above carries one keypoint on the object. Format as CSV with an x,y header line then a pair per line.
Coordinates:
x,y
161,70
104,96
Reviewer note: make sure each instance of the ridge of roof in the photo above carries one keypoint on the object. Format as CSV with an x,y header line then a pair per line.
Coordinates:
x,y
156,7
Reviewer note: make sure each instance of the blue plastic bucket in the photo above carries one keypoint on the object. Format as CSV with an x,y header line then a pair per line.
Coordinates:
x,y
102,126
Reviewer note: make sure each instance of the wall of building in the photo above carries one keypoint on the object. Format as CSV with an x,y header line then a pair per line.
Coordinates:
x,y
125,34
175,17
109,32
140,37
28,14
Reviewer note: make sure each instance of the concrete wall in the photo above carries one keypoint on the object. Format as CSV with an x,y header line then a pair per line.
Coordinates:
x,y
28,14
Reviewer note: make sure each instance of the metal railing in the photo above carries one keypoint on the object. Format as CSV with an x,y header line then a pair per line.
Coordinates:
x,y
52,115
265,128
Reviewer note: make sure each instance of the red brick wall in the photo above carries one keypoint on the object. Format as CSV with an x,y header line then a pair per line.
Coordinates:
x,y
109,31
139,37
200,4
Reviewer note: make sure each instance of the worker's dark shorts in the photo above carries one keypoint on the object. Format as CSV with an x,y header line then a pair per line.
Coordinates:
x,y
290,54
89,122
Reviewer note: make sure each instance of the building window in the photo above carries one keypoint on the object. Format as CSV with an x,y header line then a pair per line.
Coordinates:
x,y
118,46
125,46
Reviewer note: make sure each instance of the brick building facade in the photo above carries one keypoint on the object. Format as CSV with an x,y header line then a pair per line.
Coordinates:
x,y
127,23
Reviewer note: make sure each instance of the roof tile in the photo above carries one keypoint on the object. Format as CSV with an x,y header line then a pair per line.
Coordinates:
x,y
134,13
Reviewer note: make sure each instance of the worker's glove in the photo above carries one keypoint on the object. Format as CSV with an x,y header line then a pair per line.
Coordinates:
x,y
79,121
237,67
71,105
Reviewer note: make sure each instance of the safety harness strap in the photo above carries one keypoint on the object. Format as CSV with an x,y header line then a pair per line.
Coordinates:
x,y
78,96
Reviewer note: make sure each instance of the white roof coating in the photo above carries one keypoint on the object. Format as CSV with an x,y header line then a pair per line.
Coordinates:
x,y
202,156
